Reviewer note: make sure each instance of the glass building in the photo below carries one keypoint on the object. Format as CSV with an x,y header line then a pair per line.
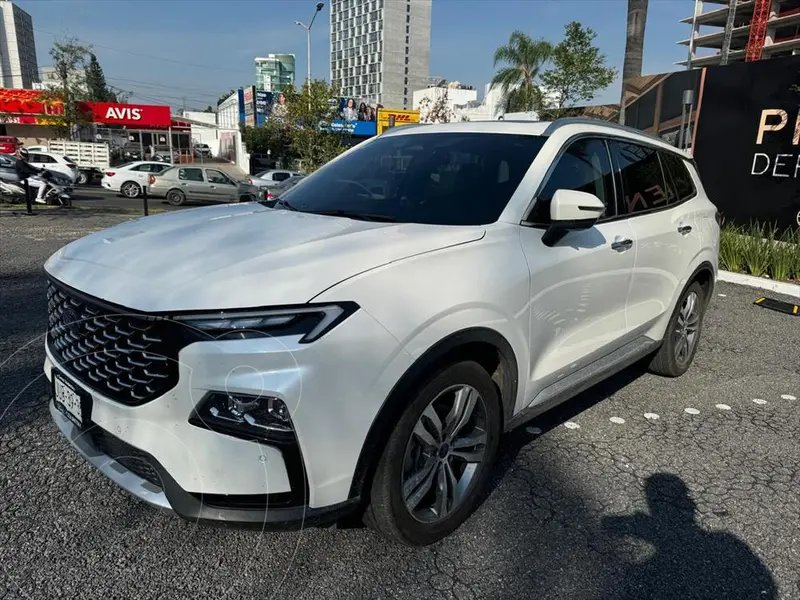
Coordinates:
x,y
275,72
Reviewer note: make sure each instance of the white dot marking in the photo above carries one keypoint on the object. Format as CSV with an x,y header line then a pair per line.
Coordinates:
x,y
691,411
617,420
788,397
759,401
651,416
533,430
571,425
723,406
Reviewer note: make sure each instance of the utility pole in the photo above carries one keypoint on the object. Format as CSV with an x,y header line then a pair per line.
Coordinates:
x,y
319,7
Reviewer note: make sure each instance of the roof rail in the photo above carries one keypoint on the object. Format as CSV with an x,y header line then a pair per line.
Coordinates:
x,y
558,123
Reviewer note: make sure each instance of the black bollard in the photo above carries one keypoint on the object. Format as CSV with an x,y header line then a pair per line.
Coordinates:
x,y
28,207
144,199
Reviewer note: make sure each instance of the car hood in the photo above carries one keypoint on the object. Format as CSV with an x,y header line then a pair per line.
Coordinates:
x,y
237,256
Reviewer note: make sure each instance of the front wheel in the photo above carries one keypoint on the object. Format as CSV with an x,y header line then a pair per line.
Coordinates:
x,y
176,197
83,178
683,334
438,459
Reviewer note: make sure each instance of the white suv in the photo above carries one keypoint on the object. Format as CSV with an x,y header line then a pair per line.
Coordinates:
x,y
362,347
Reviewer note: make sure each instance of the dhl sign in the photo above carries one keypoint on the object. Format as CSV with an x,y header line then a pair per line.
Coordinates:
x,y
400,117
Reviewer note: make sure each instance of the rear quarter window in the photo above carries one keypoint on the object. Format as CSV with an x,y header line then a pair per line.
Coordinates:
x,y
679,179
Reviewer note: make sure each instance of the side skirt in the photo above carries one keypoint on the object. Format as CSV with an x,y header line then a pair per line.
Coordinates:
x,y
582,379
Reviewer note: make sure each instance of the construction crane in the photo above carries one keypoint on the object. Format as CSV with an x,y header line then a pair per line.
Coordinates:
x,y
758,30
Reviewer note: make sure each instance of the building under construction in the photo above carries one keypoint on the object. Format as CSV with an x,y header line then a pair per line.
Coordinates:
x,y
727,31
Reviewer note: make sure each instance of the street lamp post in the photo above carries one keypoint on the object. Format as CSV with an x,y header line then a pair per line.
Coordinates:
x,y
319,7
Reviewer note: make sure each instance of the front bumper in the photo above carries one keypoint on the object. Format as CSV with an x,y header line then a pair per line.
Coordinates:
x,y
341,379
193,507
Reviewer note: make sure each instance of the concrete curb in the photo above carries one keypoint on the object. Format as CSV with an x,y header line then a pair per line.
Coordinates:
x,y
779,287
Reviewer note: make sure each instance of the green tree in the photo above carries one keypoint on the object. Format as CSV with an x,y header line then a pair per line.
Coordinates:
x,y
225,96
310,111
98,90
209,109
578,71
523,58
273,138
70,90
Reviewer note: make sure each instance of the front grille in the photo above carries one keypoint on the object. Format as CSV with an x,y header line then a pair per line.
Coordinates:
x,y
129,358
129,457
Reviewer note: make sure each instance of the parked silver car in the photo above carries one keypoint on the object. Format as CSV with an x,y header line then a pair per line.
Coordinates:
x,y
204,184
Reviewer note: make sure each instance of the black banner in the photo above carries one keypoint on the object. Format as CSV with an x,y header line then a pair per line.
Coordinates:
x,y
748,140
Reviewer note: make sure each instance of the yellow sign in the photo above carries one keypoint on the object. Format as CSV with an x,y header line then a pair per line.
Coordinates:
x,y
401,117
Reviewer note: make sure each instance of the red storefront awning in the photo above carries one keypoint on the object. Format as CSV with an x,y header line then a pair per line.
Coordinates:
x,y
26,106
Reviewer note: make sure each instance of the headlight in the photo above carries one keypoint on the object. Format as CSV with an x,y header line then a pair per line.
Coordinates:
x,y
243,416
310,321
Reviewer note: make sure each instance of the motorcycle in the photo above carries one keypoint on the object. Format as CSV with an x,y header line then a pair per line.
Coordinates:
x,y
58,189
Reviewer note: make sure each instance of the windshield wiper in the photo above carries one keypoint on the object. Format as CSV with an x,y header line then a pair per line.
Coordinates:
x,y
284,203
360,216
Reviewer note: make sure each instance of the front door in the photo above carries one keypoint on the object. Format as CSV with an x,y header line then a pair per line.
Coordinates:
x,y
220,187
579,287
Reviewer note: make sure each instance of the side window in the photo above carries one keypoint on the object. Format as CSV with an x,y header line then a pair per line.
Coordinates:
x,y
35,158
216,177
584,167
46,158
682,187
281,176
143,168
190,175
643,186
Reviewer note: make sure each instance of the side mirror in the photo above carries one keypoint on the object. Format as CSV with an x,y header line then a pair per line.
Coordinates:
x,y
571,210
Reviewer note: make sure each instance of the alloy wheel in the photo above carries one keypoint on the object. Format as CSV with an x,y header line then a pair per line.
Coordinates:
x,y
686,328
445,452
130,190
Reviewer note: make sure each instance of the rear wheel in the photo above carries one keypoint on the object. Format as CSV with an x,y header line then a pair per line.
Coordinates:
x,y
176,197
683,334
130,189
83,177
438,459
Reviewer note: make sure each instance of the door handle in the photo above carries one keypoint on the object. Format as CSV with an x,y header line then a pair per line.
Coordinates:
x,y
685,229
184,184
622,245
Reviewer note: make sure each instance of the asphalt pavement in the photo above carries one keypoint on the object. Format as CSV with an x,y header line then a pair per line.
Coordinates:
x,y
641,488
94,196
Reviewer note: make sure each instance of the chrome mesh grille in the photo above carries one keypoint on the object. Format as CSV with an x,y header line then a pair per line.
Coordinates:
x,y
129,358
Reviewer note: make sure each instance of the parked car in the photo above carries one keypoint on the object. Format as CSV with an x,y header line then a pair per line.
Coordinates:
x,y
55,162
272,194
9,144
202,151
361,349
179,184
131,152
129,179
273,177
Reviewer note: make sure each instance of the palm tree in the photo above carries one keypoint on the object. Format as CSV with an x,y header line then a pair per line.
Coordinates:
x,y
524,58
634,47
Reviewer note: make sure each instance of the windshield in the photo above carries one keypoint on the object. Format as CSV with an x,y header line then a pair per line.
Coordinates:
x,y
436,178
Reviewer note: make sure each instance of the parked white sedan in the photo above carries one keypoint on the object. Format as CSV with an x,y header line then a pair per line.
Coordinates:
x,y
130,178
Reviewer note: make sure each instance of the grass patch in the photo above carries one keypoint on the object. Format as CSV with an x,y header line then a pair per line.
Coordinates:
x,y
760,250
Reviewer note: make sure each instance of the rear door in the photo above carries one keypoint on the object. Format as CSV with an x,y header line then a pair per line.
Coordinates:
x,y
221,188
667,239
579,287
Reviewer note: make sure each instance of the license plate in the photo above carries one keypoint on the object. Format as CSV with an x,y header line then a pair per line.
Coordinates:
x,y
68,399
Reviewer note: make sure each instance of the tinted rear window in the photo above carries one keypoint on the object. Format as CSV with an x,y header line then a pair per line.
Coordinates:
x,y
682,187
437,178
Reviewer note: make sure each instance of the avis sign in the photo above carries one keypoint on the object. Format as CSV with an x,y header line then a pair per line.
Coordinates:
x,y
133,115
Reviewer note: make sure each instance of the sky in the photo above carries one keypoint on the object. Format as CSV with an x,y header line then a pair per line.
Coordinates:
x,y
190,52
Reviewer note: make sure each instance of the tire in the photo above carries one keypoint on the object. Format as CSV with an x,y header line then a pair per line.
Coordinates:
x,y
247,198
176,197
83,178
130,189
405,454
673,359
